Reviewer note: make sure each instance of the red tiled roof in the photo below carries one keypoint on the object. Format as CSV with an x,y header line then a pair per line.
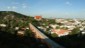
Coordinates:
x,y
60,31
38,17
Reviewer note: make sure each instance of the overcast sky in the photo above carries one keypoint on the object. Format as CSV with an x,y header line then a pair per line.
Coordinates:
x,y
46,8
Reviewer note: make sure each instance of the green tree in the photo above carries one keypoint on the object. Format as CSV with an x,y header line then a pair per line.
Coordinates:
x,y
29,33
75,31
57,27
54,35
64,28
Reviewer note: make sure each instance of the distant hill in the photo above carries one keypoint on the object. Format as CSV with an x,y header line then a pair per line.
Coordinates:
x,y
16,19
11,13
15,15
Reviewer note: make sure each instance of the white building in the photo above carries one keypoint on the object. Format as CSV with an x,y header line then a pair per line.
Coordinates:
x,y
16,28
21,33
53,26
3,25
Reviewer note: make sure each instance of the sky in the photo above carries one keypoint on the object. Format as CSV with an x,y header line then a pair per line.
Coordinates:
x,y
46,8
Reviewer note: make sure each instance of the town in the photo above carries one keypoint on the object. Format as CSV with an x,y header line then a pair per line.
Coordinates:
x,y
61,27
60,30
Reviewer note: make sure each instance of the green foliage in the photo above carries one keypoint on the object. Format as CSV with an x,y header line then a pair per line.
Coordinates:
x,y
59,24
64,28
47,32
52,21
36,23
12,20
54,35
29,33
57,27
75,31
49,28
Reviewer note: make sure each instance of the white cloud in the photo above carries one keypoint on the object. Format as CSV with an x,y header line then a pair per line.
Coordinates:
x,y
68,3
14,7
8,7
24,6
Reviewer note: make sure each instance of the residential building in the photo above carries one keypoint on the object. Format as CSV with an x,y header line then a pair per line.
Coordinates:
x,y
38,18
16,28
53,26
3,25
60,32
21,33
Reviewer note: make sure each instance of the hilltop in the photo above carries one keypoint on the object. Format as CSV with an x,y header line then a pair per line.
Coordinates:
x,y
12,13
14,16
